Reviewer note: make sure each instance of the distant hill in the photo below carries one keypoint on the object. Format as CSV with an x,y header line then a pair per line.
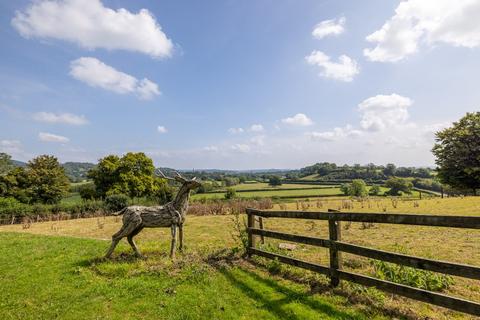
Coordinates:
x,y
77,171
17,163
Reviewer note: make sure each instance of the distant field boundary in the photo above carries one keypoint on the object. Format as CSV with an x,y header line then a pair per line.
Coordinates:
x,y
336,247
271,189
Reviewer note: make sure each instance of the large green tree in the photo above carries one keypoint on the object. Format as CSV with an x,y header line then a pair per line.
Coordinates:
x,y
47,180
5,163
457,152
132,174
358,188
105,174
398,185
15,183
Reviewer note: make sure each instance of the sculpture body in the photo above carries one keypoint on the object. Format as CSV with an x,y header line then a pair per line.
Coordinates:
x,y
172,215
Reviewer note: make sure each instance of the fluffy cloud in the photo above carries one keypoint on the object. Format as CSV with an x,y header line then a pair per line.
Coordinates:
x,y
91,25
235,130
95,73
326,28
65,118
256,128
344,70
162,129
335,134
10,146
426,21
382,111
50,137
240,147
299,119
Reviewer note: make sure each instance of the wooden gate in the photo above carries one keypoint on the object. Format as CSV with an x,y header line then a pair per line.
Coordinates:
x,y
336,246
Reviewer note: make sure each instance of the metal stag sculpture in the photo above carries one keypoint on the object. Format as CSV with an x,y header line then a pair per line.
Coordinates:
x,y
172,215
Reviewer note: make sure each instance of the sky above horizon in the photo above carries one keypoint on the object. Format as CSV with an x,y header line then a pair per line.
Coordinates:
x,y
236,84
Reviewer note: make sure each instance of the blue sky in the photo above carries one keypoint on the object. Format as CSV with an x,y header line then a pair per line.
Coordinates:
x,y
236,84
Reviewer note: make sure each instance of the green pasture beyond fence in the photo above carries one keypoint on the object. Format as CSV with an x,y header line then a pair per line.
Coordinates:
x,y
336,247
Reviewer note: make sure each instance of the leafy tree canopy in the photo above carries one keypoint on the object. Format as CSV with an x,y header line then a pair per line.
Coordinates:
x,y
132,175
47,180
358,188
275,181
5,163
398,185
457,152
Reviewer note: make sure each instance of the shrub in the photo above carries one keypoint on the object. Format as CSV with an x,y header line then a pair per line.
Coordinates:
x,y
116,202
239,232
422,279
358,188
230,194
275,181
375,190
87,191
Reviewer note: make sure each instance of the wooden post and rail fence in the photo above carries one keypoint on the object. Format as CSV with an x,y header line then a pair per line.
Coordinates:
x,y
336,247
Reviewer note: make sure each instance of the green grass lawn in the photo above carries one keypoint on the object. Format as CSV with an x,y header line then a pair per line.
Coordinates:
x,y
45,277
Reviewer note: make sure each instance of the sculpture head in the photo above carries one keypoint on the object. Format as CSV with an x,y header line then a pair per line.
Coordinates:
x,y
189,184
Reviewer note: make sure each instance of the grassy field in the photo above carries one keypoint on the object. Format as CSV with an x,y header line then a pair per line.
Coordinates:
x,y
266,186
237,292
274,193
294,191
62,278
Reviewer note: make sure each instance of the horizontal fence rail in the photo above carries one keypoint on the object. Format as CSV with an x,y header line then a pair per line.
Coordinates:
x,y
392,218
336,246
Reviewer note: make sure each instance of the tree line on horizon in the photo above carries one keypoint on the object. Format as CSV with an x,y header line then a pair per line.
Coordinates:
x,y
44,180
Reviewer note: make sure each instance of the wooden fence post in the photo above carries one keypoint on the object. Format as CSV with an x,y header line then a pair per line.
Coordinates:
x,y
260,225
335,256
251,238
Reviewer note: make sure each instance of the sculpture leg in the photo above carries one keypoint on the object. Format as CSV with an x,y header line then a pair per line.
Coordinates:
x,y
126,230
174,240
133,244
180,237
112,247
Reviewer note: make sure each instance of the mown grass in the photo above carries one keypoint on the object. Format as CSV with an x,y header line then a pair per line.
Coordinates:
x,y
63,278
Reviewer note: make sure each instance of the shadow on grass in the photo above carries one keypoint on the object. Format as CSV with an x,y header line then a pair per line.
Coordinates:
x,y
253,285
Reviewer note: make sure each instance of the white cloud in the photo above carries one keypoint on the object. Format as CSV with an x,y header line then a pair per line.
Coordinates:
x,y
256,128
162,129
235,130
258,140
344,70
210,148
91,25
326,28
382,111
65,118
95,73
240,147
50,137
430,129
335,134
10,146
299,119
428,22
